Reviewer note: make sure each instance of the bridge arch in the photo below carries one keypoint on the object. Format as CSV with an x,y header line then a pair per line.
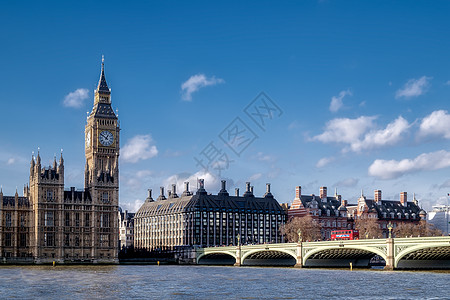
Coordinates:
x,y
269,257
215,253
373,250
217,257
264,250
404,253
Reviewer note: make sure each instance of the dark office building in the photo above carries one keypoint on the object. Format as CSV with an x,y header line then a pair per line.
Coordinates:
x,y
208,220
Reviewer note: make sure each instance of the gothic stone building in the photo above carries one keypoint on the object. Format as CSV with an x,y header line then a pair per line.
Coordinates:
x,y
208,220
52,224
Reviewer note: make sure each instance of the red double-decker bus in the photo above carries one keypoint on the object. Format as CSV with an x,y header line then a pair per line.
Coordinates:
x,y
347,234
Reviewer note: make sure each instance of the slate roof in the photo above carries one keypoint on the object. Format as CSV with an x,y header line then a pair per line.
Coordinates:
x,y
387,207
202,201
11,200
331,204
129,216
50,173
102,85
104,110
73,195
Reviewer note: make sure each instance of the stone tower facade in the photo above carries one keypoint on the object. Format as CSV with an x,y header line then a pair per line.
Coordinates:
x,y
46,195
49,223
102,170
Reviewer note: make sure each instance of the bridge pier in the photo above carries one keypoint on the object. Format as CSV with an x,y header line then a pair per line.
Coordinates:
x,y
299,258
238,256
390,258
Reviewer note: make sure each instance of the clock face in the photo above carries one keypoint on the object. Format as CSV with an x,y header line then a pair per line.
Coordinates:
x,y
88,139
106,138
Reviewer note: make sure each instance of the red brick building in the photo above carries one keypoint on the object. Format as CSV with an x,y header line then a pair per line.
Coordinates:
x,y
334,213
330,212
387,211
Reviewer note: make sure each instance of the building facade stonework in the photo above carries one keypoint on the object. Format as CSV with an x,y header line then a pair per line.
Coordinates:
x,y
49,223
126,229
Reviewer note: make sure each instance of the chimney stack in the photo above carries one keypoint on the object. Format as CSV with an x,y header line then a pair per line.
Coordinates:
x,y
224,185
247,186
161,196
149,193
404,198
268,193
323,192
236,191
378,197
298,192
174,191
186,189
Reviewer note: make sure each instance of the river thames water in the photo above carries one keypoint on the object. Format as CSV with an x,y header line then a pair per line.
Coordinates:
x,y
210,282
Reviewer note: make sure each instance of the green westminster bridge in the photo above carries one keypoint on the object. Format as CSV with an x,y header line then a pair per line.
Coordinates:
x,y
398,253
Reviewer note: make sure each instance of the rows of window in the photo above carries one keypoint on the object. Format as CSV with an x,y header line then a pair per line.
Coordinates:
x,y
207,228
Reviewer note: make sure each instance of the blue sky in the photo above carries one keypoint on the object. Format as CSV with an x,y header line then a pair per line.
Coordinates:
x,y
362,90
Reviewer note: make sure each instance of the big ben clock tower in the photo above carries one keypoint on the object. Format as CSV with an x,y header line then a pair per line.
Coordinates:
x,y
102,171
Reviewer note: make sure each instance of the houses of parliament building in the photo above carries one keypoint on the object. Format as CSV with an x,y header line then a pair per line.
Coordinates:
x,y
49,223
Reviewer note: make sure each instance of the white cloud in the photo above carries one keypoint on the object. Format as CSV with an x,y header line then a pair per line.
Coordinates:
x,y
445,184
436,123
76,98
212,183
324,161
132,207
344,130
294,125
139,148
358,135
389,136
195,82
255,177
336,101
263,157
172,153
348,182
10,158
389,169
136,180
448,82
414,87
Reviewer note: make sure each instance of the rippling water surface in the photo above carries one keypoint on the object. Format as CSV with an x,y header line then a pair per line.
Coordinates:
x,y
203,282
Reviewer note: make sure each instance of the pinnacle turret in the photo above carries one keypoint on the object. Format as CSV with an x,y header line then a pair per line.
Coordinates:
x,y
102,87
38,158
61,159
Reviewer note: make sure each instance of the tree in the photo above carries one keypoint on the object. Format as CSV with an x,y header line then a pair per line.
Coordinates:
x,y
413,229
310,229
368,228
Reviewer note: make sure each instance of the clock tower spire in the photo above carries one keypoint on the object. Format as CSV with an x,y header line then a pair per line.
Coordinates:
x,y
102,149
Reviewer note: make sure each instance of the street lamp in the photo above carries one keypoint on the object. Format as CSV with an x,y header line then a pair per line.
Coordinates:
x,y
299,232
238,236
389,226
